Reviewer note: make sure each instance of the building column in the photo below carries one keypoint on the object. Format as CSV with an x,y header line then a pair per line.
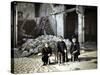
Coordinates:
x,y
60,24
55,22
81,34
15,25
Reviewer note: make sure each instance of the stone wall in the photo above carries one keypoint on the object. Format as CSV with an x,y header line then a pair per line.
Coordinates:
x,y
26,8
46,10
56,20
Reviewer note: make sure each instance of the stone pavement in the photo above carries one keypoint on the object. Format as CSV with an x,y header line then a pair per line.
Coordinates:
x,y
33,64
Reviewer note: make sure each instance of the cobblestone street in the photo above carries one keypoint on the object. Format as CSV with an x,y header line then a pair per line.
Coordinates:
x,y
32,64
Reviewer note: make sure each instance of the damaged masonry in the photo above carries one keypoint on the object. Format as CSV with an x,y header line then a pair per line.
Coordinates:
x,y
33,24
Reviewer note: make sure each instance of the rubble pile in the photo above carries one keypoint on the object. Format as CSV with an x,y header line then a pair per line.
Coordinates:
x,y
34,46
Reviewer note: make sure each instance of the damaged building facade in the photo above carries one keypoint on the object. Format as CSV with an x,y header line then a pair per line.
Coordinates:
x,y
34,24
31,20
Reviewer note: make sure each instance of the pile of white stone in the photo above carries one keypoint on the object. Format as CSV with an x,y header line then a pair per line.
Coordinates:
x,y
34,46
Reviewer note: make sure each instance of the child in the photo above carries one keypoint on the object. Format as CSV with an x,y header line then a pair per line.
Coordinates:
x,y
62,51
46,53
75,49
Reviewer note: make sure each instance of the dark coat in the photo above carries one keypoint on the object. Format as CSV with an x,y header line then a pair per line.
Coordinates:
x,y
61,46
75,47
45,52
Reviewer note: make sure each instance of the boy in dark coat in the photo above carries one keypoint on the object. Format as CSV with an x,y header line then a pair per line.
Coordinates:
x,y
62,51
75,49
46,53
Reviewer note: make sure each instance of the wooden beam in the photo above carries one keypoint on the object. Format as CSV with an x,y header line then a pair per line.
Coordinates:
x,y
67,11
